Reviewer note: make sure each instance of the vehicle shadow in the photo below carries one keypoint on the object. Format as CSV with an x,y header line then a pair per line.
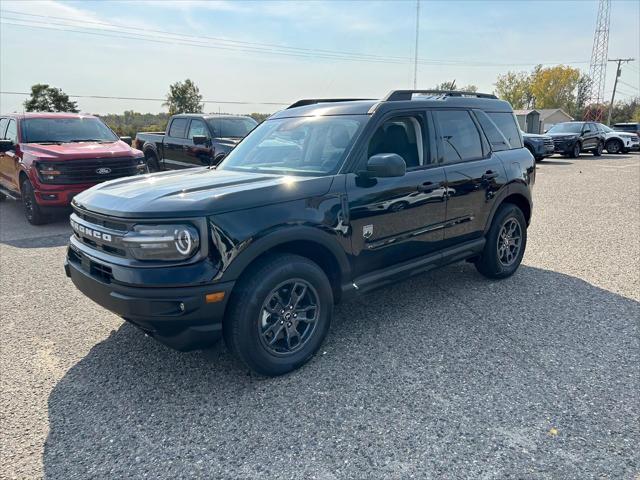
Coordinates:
x,y
442,373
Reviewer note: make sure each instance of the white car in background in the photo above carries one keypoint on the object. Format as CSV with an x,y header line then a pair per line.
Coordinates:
x,y
619,142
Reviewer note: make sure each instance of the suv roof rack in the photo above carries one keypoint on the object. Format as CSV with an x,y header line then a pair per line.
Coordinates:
x,y
311,101
400,95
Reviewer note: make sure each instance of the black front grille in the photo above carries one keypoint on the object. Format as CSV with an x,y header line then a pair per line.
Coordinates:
x,y
548,142
87,171
101,220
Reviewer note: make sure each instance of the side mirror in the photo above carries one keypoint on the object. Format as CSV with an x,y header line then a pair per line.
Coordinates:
x,y
200,139
386,165
126,140
586,130
6,145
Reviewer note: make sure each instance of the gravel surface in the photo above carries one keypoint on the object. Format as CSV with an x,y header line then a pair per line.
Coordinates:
x,y
446,375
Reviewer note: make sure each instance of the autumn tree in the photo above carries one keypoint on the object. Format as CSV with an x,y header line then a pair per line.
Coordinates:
x,y
184,97
555,87
49,99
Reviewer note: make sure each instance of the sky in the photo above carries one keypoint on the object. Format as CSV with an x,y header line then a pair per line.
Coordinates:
x,y
267,54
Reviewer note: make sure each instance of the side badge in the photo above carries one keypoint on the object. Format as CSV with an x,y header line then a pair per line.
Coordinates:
x,y
367,231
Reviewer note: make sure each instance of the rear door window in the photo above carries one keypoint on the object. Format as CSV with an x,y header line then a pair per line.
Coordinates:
x,y
178,128
12,131
197,127
508,125
459,136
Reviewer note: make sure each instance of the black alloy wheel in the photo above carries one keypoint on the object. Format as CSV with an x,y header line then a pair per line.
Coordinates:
x,y
32,210
288,317
509,242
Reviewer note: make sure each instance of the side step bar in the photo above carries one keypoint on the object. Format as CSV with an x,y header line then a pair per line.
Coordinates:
x,y
403,270
9,193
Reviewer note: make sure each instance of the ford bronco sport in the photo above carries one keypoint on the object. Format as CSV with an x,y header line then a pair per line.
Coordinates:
x,y
325,199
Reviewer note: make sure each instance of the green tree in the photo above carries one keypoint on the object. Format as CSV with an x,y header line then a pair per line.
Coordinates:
x,y
184,97
452,86
515,88
49,99
259,117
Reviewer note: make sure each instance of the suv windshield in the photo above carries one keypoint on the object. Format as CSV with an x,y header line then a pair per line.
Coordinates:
x,y
64,130
298,146
231,127
566,128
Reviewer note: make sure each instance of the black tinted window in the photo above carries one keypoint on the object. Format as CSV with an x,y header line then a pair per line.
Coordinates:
x,y
232,127
3,126
459,136
508,125
178,128
12,131
496,138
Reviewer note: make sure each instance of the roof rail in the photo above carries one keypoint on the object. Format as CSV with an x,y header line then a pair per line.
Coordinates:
x,y
311,101
399,95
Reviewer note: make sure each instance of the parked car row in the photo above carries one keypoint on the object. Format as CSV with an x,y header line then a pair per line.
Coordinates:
x,y
48,158
572,138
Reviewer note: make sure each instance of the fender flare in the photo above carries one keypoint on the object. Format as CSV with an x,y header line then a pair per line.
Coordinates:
x,y
282,236
513,188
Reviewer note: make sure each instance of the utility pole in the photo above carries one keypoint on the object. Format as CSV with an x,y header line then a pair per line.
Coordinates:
x,y
615,84
415,58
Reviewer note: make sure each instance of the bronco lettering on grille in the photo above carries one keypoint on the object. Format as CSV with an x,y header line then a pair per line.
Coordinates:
x,y
105,237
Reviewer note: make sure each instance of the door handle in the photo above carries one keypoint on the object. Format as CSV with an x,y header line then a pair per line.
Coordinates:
x,y
427,187
489,175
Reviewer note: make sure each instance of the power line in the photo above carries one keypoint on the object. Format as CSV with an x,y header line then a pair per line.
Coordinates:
x,y
107,97
116,31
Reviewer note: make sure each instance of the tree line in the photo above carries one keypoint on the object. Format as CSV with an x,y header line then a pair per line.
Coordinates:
x,y
560,86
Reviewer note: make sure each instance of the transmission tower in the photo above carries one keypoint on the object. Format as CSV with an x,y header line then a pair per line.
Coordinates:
x,y
598,68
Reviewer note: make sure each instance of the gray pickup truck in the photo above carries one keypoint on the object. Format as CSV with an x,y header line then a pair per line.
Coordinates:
x,y
193,140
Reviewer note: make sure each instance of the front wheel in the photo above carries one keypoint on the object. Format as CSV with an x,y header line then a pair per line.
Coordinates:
x,y
279,314
152,162
575,152
614,146
32,210
506,243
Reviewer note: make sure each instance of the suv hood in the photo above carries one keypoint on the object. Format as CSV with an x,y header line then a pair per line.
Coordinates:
x,y
534,136
78,151
562,135
196,192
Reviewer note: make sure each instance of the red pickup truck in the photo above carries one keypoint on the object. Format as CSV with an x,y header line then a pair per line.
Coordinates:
x,y
47,158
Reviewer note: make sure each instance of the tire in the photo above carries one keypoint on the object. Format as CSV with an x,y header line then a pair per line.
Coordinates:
x,y
262,310
575,153
614,146
152,162
598,150
32,210
493,263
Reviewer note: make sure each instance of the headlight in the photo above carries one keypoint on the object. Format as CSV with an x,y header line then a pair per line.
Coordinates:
x,y
142,166
162,242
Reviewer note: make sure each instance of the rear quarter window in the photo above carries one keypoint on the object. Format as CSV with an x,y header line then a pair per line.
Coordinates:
x,y
506,122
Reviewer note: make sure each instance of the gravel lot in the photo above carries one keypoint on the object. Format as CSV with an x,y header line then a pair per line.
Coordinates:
x,y
447,375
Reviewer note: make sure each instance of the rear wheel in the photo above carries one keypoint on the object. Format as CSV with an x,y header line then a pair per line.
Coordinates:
x,y
152,162
505,245
32,210
279,314
598,150
614,146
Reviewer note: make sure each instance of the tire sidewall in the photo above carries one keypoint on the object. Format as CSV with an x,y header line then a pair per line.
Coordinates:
x,y
506,212
575,153
615,142
36,216
249,346
152,162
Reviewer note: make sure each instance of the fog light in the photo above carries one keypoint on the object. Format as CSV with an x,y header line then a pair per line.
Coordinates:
x,y
49,196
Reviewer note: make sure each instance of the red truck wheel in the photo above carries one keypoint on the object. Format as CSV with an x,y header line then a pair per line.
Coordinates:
x,y
32,210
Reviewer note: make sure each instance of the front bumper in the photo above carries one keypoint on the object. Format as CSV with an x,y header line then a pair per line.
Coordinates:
x,y
564,146
179,317
542,149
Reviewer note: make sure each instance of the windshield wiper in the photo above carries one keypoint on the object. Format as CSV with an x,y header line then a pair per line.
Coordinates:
x,y
79,140
46,142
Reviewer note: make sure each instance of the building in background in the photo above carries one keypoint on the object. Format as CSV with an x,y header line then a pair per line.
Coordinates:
x,y
550,116
529,120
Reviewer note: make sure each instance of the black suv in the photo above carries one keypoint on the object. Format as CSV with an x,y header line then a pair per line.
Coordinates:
x,y
324,200
571,138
